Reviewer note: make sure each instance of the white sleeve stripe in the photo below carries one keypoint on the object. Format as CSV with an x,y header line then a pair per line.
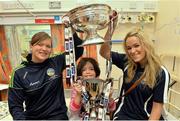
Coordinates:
x,y
120,105
145,105
167,78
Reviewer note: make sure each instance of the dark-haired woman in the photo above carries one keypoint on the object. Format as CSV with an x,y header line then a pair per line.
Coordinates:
x,y
36,89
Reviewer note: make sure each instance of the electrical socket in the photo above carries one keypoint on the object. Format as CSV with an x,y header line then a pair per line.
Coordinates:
x,y
123,19
151,19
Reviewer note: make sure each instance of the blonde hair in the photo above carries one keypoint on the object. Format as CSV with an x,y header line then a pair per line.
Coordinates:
x,y
153,63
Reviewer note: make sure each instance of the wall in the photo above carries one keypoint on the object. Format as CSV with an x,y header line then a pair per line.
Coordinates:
x,y
168,41
13,11
168,26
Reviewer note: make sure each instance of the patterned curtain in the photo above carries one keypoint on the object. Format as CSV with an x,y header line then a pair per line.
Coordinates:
x,y
57,34
5,68
14,45
91,50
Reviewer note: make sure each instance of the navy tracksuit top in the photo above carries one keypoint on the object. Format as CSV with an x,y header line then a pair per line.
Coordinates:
x,y
40,87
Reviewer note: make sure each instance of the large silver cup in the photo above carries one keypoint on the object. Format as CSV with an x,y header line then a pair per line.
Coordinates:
x,y
89,19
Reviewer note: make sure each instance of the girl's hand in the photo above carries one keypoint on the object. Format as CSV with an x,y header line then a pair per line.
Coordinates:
x,y
77,97
78,88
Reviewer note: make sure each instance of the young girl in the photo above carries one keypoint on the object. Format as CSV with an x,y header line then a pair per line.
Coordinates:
x,y
87,68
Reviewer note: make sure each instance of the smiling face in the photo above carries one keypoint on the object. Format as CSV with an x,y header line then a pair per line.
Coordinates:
x,y
41,50
135,50
88,71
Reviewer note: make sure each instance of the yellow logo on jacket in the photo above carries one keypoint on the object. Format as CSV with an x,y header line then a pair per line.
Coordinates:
x,y
50,72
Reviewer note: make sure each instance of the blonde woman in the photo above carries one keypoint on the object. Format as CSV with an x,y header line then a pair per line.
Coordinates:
x,y
139,63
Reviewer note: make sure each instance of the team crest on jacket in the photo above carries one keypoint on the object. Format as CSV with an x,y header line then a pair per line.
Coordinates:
x,y
50,72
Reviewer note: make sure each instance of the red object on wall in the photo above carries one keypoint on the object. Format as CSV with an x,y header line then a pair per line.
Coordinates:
x,y
44,21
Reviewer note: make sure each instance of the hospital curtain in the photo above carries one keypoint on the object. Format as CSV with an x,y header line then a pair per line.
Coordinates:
x,y
90,50
57,34
5,68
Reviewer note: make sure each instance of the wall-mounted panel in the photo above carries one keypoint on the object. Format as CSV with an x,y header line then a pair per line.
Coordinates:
x,y
26,11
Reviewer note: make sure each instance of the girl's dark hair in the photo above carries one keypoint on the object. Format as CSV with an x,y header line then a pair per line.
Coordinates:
x,y
83,62
38,37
